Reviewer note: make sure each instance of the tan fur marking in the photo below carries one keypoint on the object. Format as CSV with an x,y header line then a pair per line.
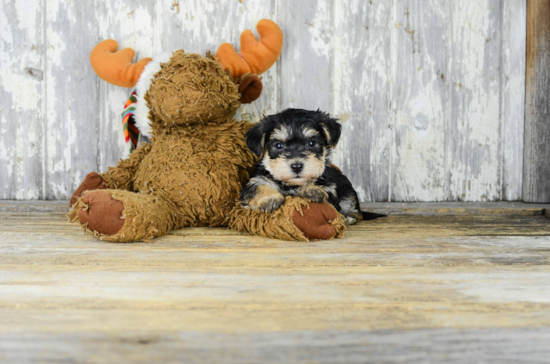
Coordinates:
x,y
262,181
281,171
313,167
308,132
279,167
281,134
327,135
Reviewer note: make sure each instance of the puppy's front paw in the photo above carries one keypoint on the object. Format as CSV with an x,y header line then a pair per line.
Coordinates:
x,y
315,194
267,202
270,203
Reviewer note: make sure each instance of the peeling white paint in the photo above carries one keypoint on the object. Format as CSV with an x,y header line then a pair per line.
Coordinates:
x,y
22,89
6,35
56,47
423,106
71,145
27,12
52,138
340,73
59,8
20,99
513,112
476,102
320,28
6,152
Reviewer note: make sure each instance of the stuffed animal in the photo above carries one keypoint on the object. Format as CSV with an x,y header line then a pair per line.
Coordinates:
x,y
191,172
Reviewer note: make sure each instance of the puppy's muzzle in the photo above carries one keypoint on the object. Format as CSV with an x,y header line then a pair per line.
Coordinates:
x,y
297,167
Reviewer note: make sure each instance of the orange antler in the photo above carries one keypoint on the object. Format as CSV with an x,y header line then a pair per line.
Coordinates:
x,y
255,56
116,67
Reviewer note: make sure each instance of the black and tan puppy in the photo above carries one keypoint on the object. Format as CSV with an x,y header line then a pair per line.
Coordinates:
x,y
294,147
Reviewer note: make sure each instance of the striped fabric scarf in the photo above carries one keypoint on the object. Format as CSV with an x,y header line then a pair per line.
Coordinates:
x,y
131,132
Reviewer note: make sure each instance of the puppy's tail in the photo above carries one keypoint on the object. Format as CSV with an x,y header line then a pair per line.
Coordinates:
x,y
371,215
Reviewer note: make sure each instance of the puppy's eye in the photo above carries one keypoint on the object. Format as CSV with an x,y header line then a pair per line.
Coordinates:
x,y
279,145
311,143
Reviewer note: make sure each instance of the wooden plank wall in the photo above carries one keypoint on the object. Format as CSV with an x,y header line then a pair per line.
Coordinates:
x,y
536,160
430,93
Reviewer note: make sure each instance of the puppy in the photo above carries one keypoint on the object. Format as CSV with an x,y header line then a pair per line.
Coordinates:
x,y
294,147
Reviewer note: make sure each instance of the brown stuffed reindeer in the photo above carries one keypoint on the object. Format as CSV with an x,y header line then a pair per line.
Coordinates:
x,y
193,169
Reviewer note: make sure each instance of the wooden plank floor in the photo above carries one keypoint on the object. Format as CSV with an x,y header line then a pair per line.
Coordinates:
x,y
400,289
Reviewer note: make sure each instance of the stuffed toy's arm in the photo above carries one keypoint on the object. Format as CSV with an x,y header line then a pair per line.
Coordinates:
x,y
296,220
122,176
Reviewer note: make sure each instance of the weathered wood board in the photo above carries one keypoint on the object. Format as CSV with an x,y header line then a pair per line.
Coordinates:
x,y
536,160
430,93
22,89
395,290
505,346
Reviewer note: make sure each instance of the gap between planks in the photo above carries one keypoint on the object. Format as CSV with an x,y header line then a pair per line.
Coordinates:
x,y
387,208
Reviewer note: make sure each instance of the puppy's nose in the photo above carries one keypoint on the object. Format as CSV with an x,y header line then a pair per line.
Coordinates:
x,y
297,167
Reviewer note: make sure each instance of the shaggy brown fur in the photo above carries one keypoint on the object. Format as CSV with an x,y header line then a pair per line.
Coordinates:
x,y
196,164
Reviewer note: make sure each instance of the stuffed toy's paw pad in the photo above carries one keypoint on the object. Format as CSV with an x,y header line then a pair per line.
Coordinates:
x,y
103,214
93,181
316,221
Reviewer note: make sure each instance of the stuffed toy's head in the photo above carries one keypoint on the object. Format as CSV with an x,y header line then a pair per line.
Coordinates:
x,y
182,88
191,89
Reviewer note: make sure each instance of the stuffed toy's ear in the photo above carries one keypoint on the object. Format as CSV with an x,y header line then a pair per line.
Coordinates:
x,y
331,128
116,67
254,56
250,88
255,139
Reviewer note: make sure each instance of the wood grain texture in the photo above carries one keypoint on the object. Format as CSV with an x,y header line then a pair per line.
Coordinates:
x,y
523,345
420,100
201,26
135,25
511,209
446,208
430,93
306,63
474,125
512,92
362,82
399,289
71,103
536,158
22,100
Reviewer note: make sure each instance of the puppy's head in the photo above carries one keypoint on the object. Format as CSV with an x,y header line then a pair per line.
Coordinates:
x,y
294,144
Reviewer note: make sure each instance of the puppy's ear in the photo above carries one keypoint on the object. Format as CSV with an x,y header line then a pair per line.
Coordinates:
x,y
331,128
255,139
250,88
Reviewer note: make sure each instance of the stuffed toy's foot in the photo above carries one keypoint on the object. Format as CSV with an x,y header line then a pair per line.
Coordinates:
x,y
316,221
93,181
123,216
101,212
296,220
